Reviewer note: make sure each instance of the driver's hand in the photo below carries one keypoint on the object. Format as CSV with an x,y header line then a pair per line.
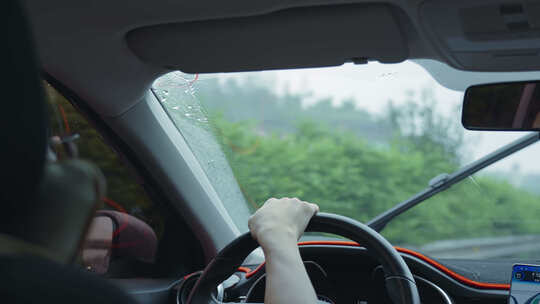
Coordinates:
x,y
281,221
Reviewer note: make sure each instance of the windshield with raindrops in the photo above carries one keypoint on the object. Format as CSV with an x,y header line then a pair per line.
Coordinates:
x,y
357,140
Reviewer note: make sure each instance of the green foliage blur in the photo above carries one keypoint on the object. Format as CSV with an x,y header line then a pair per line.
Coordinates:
x,y
355,164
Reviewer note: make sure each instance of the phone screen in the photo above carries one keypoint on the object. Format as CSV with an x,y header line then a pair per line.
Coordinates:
x,y
525,284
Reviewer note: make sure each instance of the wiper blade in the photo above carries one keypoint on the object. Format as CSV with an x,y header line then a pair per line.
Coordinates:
x,y
444,181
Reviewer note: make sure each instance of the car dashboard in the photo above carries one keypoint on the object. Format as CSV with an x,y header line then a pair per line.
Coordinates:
x,y
344,272
340,274
337,285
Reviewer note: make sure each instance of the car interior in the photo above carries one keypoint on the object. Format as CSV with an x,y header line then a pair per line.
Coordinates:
x,y
109,197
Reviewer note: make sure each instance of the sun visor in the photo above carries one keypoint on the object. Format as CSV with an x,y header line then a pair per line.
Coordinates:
x,y
291,38
486,35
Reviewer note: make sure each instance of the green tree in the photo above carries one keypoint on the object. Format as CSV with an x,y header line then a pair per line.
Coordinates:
x,y
344,172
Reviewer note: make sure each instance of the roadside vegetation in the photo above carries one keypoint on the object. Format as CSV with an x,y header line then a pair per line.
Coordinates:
x,y
357,164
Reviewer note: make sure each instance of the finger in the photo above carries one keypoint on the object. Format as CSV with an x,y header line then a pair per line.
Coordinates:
x,y
312,208
315,207
268,201
251,227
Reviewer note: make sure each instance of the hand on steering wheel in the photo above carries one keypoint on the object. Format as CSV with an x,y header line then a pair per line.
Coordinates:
x,y
281,221
399,281
277,226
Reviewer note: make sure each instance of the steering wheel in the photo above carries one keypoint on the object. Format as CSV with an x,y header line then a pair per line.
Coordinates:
x,y
399,280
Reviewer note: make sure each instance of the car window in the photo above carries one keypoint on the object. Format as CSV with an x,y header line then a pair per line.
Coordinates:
x,y
125,194
358,139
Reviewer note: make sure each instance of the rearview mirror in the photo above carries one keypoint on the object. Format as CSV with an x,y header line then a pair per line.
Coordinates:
x,y
512,106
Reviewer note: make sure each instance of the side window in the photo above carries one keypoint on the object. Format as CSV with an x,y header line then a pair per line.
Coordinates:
x,y
126,230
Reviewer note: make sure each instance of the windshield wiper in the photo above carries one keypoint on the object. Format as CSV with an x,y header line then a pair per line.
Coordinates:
x,y
444,181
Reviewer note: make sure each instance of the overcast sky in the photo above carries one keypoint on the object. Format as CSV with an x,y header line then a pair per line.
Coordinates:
x,y
374,84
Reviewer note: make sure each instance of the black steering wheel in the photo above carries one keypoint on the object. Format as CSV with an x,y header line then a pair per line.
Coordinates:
x,y
399,280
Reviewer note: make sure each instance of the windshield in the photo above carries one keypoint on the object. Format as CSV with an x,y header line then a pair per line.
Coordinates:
x,y
357,140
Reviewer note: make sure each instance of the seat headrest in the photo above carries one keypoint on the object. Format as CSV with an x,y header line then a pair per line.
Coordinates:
x,y
23,127
47,206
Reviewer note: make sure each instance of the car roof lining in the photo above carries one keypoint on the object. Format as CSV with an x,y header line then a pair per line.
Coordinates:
x,y
110,52
84,45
